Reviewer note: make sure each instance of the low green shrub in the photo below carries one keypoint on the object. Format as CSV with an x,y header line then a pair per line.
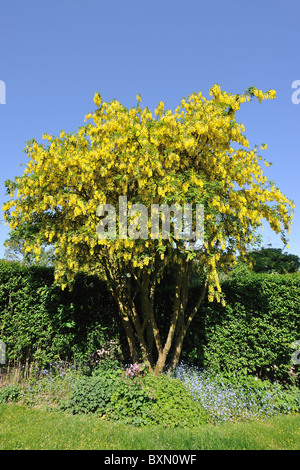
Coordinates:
x,y
93,394
288,401
111,393
9,393
138,399
130,403
172,404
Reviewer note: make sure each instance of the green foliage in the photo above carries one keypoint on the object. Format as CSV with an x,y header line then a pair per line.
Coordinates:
x,y
109,357
190,397
130,403
93,394
111,394
50,387
236,397
41,323
253,334
274,260
173,405
140,400
284,399
288,402
9,393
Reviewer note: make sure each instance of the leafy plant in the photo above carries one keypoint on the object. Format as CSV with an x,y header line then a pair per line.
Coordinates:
x,y
108,357
93,394
136,370
288,401
9,393
173,405
142,400
253,334
40,323
130,403
236,397
50,386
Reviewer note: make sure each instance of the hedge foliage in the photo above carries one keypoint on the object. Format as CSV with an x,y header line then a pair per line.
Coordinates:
x,y
253,334
41,323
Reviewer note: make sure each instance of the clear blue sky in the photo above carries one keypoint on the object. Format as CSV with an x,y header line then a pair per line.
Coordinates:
x,y
56,54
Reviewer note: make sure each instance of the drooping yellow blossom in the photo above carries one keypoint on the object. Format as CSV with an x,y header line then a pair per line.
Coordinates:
x,y
198,154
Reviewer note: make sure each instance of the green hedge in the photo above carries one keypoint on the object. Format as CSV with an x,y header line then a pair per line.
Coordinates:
x,y
252,334
39,322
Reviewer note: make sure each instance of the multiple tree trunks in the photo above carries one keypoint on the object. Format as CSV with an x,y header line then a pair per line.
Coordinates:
x,y
135,300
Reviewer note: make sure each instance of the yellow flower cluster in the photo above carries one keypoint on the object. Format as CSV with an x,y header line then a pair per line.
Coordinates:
x,y
197,154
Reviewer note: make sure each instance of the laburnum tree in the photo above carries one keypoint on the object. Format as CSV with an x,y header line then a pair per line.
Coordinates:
x,y
197,154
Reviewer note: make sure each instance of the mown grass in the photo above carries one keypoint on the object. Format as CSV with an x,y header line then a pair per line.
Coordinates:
x,y
24,428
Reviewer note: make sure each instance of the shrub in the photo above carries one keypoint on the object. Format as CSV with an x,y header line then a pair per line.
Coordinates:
x,y
173,405
288,400
9,393
109,357
112,394
138,400
130,403
93,394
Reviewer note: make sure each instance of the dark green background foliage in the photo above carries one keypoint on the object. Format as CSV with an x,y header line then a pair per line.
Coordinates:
x,y
252,334
270,260
40,322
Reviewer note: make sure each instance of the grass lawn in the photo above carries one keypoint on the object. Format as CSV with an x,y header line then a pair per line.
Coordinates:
x,y
24,428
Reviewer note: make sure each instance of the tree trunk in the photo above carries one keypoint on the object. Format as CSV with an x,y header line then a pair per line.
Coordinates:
x,y
183,330
129,335
135,300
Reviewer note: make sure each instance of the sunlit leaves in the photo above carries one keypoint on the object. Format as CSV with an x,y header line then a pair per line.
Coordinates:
x,y
196,154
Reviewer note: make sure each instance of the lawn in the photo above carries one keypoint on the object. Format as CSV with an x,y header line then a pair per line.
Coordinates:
x,y
25,428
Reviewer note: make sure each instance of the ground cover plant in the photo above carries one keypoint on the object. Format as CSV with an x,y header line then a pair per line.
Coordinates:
x,y
106,405
188,397
236,397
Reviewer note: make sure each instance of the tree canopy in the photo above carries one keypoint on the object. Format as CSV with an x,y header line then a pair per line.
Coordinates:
x,y
269,260
197,154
